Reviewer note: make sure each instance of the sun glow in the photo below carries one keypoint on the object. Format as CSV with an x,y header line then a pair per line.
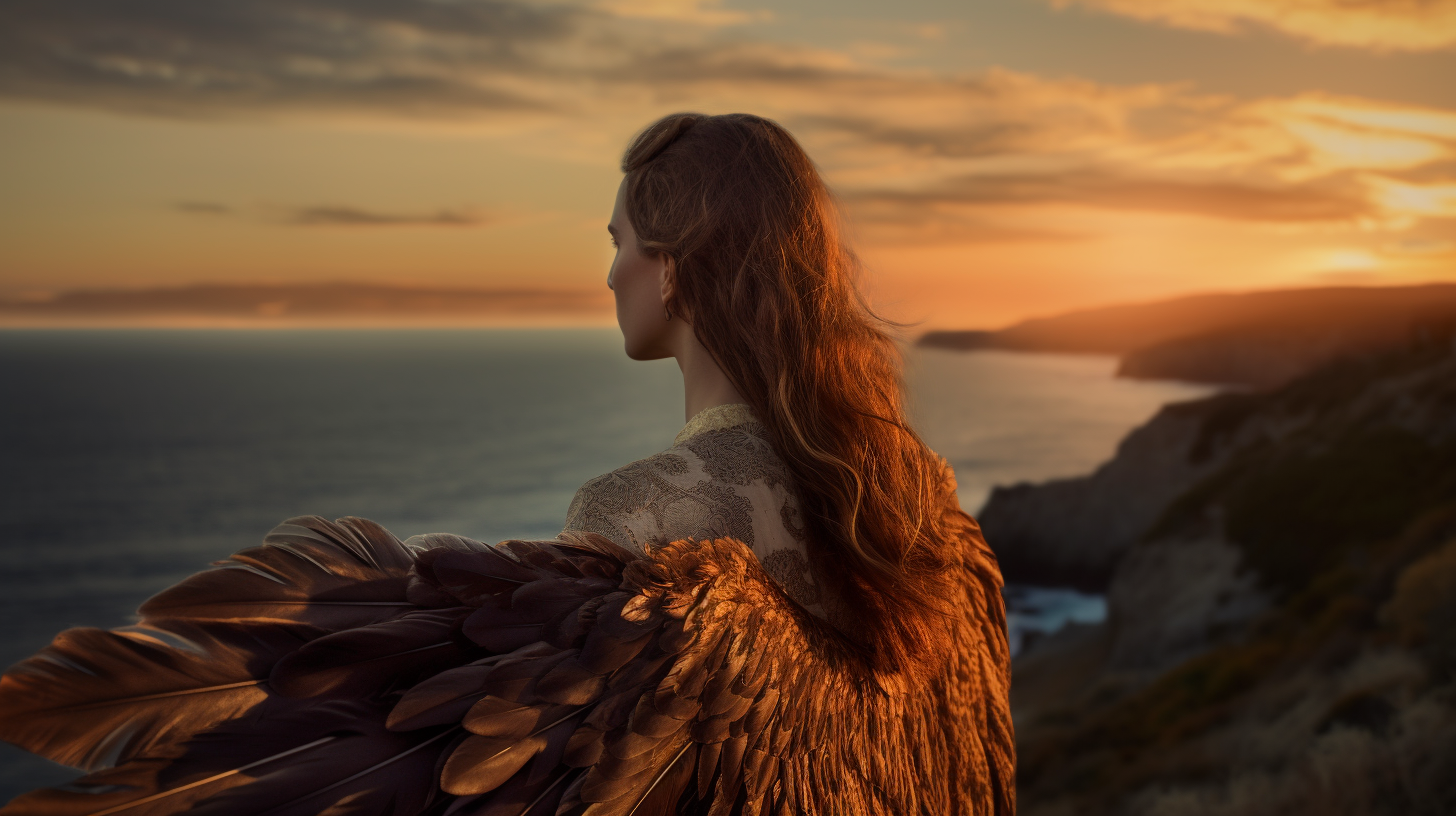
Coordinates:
x,y
1432,200
1349,260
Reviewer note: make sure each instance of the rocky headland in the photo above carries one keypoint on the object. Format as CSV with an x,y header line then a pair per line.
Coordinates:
x,y
1259,339
1280,569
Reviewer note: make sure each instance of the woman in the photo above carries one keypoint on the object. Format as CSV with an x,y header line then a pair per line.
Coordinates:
x,y
729,259
784,612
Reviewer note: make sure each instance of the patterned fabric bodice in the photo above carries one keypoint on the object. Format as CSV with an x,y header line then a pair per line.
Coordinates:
x,y
721,478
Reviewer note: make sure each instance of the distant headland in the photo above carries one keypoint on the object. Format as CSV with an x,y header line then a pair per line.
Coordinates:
x,y
307,304
1260,339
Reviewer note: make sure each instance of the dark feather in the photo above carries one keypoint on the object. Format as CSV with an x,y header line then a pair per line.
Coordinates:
x,y
442,699
381,773
334,576
284,759
372,546
351,757
373,659
134,789
95,698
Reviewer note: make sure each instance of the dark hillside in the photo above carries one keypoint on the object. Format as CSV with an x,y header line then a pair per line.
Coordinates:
x,y
1280,638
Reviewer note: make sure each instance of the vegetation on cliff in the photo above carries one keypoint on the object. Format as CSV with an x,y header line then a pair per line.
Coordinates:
x,y
1337,695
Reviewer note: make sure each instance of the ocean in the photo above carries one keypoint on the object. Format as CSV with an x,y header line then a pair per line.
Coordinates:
x,y
130,459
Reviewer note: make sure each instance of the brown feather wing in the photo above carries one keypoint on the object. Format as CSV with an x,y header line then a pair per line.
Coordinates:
x,y
686,682
709,690
581,678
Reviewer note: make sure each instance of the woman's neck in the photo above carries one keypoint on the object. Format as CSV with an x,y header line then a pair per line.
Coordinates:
x,y
704,383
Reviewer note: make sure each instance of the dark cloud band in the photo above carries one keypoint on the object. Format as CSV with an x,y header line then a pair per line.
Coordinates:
x,y
355,217
185,58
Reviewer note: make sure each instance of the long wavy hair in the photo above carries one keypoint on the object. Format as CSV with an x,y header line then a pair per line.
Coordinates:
x,y
768,282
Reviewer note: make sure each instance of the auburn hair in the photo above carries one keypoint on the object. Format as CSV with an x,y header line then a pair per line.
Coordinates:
x,y
764,274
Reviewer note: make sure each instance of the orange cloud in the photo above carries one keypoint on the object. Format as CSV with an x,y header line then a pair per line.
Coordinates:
x,y
699,12
1377,25
979,156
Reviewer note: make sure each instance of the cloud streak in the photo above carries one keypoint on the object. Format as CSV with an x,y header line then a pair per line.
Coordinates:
x,y
355,217
339,216
202,208
1211,197
1377,25
180,58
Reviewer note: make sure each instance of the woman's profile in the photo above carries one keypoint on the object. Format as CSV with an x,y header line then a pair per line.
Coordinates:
x,y
785,611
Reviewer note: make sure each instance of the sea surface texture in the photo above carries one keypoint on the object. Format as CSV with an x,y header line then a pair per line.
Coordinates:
x,y
131,459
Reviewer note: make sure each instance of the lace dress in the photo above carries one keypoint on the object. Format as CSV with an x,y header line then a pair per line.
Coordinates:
x,y
720,478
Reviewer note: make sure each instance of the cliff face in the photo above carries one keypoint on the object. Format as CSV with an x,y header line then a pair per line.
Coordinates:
x,y
1071,532
1282,631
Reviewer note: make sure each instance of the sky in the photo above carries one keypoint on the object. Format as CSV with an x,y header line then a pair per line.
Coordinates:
x,y
995,160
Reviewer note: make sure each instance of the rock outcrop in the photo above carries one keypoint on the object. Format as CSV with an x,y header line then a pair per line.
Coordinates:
x,y
1172,598
1071,532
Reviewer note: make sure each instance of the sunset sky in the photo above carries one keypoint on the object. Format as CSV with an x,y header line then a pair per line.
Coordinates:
x,y
996,159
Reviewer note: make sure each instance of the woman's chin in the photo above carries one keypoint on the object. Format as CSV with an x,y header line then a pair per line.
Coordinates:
x,y
644,354
640,350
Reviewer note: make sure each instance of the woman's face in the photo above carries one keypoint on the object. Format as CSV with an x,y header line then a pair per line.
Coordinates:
x,y
637,281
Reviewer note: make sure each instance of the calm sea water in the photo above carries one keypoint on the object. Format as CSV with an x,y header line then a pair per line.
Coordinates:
x,y
130,459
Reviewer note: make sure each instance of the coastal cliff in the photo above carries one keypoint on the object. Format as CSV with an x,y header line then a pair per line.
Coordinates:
x,y
1281,634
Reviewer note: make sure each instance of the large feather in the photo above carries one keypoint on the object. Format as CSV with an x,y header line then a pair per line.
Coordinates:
x,y
374,659
95,698
331,575
286,759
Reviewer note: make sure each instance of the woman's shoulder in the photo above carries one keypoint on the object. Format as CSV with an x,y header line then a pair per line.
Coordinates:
x,y
634,480
724,443
706,483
